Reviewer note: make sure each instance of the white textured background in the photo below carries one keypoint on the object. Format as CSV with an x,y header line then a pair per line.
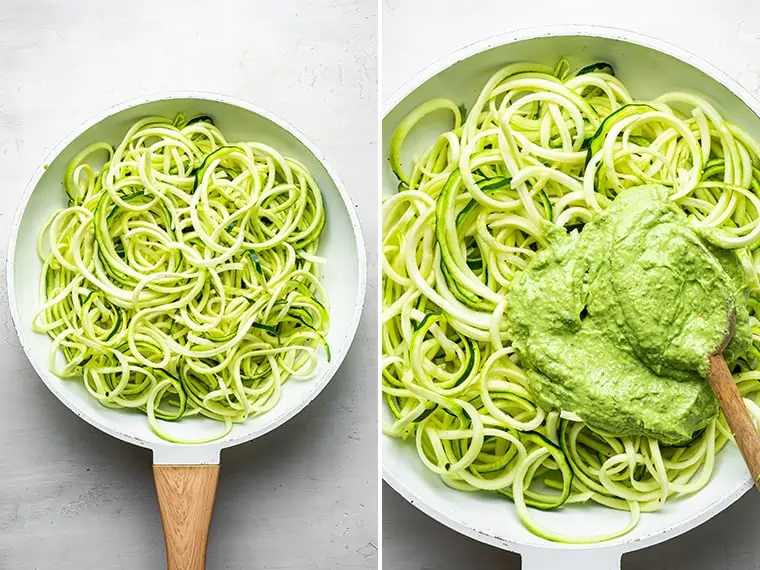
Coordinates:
x,y
304,497
417,33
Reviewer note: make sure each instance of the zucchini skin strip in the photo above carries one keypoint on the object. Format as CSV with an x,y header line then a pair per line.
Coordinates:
x,y
183,278
542,149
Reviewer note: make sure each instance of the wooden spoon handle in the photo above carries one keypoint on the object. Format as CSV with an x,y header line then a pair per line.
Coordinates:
x,y
738,418
186,498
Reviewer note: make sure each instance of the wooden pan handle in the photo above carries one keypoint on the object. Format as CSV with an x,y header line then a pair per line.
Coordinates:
x,y
732,404
186,498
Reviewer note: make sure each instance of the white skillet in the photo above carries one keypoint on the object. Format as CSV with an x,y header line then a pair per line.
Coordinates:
x,y
186,475
648,67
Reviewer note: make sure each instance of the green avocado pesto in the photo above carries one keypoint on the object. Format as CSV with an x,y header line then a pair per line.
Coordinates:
x,y
616,323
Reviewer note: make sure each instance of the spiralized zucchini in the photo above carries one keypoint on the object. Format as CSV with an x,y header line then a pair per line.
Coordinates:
x,y
183,277
542,145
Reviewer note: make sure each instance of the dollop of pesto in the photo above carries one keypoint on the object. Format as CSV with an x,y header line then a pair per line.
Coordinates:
x,y
616,323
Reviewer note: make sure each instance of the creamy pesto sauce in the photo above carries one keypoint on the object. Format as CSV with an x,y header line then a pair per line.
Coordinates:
x,y
615,323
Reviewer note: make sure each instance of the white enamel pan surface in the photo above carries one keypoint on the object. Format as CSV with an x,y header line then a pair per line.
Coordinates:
x,y
187,473
648,67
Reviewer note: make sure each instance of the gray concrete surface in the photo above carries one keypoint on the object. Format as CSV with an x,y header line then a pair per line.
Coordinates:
x,y
417,33
304,497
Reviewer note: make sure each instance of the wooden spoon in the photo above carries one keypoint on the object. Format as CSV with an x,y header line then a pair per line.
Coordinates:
x,y
732,404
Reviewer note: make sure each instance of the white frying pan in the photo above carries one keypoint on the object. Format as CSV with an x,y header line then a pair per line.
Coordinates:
x,y
186,475
648,67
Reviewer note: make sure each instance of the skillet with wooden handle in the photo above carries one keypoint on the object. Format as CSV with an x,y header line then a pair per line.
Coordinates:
x,y
186,475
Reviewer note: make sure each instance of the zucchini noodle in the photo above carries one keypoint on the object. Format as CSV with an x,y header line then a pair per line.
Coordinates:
x,y
183,277
540,145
